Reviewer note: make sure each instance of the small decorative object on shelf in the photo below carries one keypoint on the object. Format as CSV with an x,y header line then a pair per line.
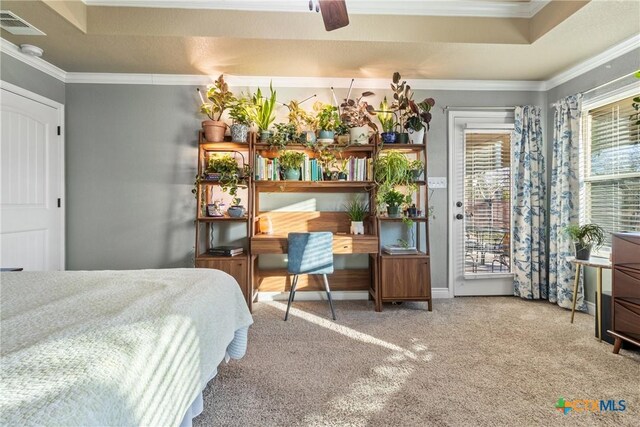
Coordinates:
x,y
399,250
215,209
357,212
265,225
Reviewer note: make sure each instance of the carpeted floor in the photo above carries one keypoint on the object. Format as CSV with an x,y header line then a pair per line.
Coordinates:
x,y
472,361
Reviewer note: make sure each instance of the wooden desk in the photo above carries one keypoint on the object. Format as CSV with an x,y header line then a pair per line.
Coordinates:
x,y
342,244
598,264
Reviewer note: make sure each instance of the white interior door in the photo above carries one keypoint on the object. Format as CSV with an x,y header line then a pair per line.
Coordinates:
x,y
31,220
481,197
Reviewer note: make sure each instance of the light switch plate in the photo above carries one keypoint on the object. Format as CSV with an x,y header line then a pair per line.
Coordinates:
x,y
437,182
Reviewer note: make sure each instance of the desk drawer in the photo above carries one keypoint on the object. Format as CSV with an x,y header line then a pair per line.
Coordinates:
x,y
626,283
626,318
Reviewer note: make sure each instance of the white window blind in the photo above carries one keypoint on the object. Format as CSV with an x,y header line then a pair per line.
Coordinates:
x,y
611,156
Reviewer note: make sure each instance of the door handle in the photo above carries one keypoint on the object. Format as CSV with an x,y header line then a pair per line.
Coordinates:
x,y
459,216
458,204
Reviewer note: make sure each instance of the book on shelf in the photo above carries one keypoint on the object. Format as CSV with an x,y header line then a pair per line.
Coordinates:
x,y
226,250
399,250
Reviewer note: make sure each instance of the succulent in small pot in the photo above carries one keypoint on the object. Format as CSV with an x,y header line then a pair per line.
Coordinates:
x,y
386,116
263,112
585,238
394,199
240,113
290,163
219,98
357,211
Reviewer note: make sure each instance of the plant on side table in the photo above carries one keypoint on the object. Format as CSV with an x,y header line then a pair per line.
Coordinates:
x,y
585,238
290,163
219,98
357,211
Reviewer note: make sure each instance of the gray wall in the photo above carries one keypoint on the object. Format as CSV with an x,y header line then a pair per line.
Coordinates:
x,y
616,68
23,75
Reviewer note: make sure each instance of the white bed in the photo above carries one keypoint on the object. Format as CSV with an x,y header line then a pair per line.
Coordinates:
x,y
115,348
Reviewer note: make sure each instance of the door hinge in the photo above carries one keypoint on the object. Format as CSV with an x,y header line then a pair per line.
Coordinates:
x,y
59,130
59,202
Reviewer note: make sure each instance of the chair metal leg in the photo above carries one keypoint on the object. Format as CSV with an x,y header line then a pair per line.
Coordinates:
x,y
326,288
292,292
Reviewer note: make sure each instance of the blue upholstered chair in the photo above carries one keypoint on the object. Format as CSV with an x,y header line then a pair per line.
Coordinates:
x,y
310,253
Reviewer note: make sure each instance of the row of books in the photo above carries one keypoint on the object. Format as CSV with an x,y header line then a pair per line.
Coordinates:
x,y
356,169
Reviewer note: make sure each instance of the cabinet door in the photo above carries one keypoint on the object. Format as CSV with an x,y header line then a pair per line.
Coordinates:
x,y
234,267
405,278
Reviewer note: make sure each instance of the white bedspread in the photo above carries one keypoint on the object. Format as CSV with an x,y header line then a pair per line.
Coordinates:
x,y
112,347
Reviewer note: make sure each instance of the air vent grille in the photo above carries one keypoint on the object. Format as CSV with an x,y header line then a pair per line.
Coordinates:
x,y
12,23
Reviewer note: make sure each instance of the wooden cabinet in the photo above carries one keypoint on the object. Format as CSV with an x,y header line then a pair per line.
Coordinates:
x,y
625,290
405,277
234,266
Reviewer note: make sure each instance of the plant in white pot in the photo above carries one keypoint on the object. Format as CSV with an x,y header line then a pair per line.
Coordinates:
x,y
418,120
357,115
290,163
240,113
585,238
219,97
357,211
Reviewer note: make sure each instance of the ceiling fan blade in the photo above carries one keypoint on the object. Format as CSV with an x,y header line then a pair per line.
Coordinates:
x,y
334,14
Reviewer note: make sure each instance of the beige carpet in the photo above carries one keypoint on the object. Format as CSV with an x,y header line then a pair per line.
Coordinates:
x,y
472,361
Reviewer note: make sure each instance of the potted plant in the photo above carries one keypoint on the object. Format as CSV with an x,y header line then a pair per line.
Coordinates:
x,y
220,166
342,170
402,94
342,133
326,159
357,212
416,169
394,199
219,98
585,238
263,112
418,117
290,163
240,113
303,122
387,121
356,114
328,120
285,134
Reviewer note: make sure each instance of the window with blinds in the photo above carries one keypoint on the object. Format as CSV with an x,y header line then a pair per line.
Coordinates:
x,y
487,204
611,172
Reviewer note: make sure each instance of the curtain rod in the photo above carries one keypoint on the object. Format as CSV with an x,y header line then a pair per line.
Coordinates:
x,y
608,83
448,107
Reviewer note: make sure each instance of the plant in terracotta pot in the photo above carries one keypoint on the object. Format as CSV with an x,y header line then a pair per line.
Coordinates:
x,y
357,114
290,163
585,237
357,211
418,120
394,199
328,120
263,112
219,98
240,113
386,116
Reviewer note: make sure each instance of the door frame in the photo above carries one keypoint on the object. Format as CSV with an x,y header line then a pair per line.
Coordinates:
x,y
452,115
17,90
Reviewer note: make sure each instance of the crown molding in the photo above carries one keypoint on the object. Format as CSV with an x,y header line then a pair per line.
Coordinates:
x,y
610,54
467,8
38,63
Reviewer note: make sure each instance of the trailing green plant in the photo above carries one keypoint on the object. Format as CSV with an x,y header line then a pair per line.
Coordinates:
x,y
357,112
223,164
263,114
219,97
232,175
240,110
291,160
386,116
587,234
284,135
231,183
357,210
327,116
392,169
300,118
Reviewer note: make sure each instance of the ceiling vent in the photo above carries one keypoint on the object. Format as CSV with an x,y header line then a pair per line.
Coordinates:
x,y
15,25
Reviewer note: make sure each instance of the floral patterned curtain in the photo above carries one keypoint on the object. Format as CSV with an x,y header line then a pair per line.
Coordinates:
x,y
564,203
529,193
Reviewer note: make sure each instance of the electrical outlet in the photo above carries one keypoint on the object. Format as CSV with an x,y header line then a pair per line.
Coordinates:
x,y
437,182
